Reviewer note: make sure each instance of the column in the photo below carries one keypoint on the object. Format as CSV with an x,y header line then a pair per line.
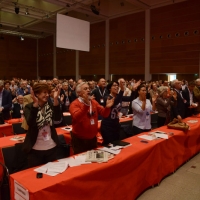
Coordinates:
x,y
107,51
37,61
147,45
77,65
54,56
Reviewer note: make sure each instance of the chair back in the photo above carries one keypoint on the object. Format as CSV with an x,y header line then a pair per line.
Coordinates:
x,y
17,129
4,183
63,150
15,158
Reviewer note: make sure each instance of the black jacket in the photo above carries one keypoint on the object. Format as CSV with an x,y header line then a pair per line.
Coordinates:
x,y
6,103
30,114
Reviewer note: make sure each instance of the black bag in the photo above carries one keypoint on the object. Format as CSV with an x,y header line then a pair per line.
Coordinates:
x,y
1,118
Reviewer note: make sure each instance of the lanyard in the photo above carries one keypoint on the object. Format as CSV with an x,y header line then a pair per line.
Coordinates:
x,y
101,92
180,93
81,100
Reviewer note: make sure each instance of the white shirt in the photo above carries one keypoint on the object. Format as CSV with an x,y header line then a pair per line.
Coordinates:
x,y
141,118
44,140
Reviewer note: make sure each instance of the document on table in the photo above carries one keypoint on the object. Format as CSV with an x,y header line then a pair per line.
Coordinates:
x,y
161,135
109,150
71,161
53,168
147,137
81,159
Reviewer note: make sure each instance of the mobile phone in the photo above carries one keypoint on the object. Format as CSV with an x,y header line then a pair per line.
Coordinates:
x,y
143,141
39,175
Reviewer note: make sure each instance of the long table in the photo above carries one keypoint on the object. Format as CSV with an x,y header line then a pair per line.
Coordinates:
x,y
132,171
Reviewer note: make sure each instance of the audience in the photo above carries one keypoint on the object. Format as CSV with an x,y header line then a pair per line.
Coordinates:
x,y
5,101
163,105
142,109
41,139
84,111
17,108
178,110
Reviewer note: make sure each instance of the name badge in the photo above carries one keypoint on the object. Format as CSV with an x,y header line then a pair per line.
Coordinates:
x,y
92,122
101,100
147,115
45,133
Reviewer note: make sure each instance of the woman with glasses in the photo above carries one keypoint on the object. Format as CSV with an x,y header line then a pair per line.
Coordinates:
x,y
110,126
142,109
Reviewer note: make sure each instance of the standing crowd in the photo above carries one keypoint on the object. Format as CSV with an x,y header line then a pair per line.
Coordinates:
x,y
42,102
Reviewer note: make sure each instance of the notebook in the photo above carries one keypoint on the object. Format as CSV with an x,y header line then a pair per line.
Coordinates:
x,y
120,143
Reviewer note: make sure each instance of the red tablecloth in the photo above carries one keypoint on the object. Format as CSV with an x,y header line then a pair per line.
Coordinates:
x,y
132,171
6,130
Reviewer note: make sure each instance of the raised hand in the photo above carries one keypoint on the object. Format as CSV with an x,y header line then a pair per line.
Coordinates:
x,y
56,93
121,85
154,97
35,99
109,102
62,97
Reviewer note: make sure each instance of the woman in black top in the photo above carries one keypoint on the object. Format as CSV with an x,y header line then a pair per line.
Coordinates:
x,y
110,126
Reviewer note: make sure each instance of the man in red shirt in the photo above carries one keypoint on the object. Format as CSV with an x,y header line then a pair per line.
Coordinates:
x,y
84,111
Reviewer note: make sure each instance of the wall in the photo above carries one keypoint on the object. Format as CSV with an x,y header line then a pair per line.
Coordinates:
x,y
175,39
175,48
17,58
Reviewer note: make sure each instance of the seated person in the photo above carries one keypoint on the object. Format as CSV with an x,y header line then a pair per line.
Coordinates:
x,y
17,108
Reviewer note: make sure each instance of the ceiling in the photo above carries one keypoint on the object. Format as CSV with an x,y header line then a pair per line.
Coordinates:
x,y
37,18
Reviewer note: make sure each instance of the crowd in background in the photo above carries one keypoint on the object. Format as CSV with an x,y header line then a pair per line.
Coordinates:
x,y
164,90
42,102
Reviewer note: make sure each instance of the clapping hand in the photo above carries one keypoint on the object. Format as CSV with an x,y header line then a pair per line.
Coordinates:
x,y
154,97
35,99
62,97
136,85
121,85
109,102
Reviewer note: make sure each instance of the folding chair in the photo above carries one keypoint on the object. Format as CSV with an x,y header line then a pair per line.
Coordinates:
x,y
14,158
154,118
17,129
4,183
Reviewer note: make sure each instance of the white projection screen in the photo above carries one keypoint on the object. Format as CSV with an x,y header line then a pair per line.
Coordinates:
x,y
72,33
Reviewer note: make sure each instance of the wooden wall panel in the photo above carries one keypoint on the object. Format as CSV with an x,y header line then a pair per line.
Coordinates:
x,y
127,44
65,62
45,51
93,62
17,58
177,51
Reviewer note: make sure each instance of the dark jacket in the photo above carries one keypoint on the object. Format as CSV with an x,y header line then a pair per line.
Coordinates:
x,y
30,114
16,110
100,94
186,96
6,103
179,108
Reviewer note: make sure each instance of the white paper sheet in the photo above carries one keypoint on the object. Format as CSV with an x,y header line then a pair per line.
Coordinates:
x,y
159,135
110,150
81,159
146,137
71,161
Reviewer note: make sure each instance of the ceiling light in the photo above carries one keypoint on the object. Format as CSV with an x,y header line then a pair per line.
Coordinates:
x,y
94,10
21,38
16,9
26,12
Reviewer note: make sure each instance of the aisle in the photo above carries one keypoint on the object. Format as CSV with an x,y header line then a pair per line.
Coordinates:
x,y
184,184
